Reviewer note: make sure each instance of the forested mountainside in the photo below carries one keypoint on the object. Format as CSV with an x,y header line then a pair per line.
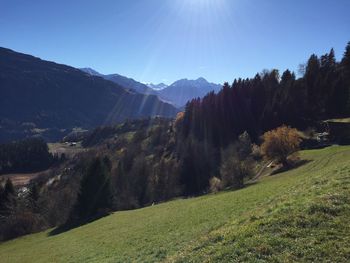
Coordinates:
x,y
269,100
39,97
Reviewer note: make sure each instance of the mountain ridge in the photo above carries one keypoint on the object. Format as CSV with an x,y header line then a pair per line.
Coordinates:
x,y
177,93
126,82
55,98
183,90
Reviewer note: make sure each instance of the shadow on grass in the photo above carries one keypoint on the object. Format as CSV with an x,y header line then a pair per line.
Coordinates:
x,y
71,225
249,183
290,167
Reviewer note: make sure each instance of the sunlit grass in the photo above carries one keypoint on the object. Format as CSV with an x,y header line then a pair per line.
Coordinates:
x,y
299,215
344,120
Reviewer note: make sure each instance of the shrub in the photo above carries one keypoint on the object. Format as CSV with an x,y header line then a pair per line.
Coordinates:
x,y
215,185
236,162
280,143
256,152
233,171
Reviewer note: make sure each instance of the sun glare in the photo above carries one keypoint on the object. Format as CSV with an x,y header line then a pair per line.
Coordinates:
x,y
199,5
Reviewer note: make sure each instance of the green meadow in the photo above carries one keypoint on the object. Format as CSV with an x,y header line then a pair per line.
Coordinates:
x,y
300,215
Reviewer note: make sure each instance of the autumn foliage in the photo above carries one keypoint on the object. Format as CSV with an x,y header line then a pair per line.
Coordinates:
x,y
280,143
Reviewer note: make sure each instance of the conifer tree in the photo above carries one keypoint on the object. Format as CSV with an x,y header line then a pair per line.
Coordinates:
x,y
95,192
346,76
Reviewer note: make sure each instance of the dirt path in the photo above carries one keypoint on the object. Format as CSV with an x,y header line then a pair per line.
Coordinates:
x,y
262,169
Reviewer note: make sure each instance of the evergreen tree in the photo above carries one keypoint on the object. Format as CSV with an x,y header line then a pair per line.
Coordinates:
x,y
8,198
95,190
9,188
346,77
312,84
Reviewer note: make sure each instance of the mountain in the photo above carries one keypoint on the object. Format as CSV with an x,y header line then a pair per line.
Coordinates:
x,y
177,93
91,71
184,90
159,86
39,97
125,82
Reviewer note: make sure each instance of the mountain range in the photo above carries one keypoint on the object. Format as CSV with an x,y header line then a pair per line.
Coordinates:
x,y
181,91
178,93
39,97
159,86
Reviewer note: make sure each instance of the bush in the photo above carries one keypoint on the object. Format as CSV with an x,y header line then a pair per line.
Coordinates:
x,y
233,171
256,152
215,185
280,143
237,163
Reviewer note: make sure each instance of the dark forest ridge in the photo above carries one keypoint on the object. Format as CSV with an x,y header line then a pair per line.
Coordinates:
x,y
39,97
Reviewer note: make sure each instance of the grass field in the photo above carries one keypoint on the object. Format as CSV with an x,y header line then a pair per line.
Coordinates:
x,y
300,215
21,179
66,148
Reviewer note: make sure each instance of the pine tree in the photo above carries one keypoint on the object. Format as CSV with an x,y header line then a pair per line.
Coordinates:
x,y
311,80
8,198
9,189
95,191
346,76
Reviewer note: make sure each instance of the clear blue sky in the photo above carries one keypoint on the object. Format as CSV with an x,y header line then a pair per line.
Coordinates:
x,y
165,40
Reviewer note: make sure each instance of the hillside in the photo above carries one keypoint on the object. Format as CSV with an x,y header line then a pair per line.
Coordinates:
x,y
299,215
125,82
39,97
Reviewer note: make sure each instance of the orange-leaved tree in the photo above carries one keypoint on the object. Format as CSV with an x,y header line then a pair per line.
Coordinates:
x,y
280,143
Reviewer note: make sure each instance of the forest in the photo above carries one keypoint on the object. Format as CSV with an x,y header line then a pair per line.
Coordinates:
x,y
28,155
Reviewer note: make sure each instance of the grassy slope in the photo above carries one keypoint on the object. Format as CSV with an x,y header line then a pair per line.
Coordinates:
x,y
345,120
300,215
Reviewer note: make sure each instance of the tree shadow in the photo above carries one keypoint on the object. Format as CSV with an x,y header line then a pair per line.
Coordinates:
x,y
250,183
75,224
290,166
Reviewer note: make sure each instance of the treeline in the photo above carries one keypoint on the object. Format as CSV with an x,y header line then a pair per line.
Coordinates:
x,y
269,100
28,155
102,133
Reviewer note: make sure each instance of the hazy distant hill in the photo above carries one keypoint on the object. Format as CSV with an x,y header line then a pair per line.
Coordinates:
x,y
184,90
125,82
159,86
177,93
42,97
